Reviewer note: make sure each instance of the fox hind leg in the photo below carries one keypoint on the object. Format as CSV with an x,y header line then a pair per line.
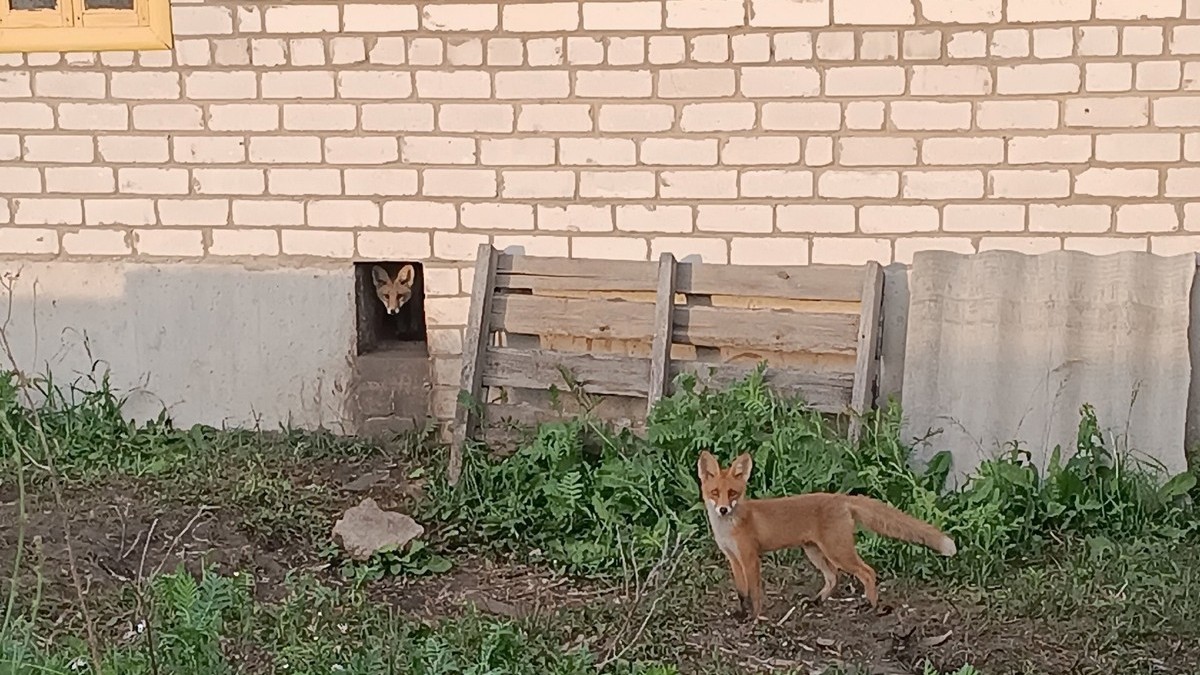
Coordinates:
x,y
841,552
827,570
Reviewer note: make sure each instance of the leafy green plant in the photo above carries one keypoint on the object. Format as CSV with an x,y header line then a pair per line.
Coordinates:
x,y
416,559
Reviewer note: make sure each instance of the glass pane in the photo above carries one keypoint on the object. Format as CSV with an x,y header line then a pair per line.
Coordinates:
x,y
108,4
19,5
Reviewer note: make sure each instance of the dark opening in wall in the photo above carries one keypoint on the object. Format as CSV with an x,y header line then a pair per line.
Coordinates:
x,y
399,286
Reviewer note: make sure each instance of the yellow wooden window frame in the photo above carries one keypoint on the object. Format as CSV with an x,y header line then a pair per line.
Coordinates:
x,y
71,27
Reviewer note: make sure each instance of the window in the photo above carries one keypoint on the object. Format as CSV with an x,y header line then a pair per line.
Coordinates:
x,y
84,25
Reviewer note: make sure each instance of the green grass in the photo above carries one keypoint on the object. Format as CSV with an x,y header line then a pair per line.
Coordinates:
x,y
1088,556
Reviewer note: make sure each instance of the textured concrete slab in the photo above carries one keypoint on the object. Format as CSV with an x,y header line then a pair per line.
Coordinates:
x,y
1003,346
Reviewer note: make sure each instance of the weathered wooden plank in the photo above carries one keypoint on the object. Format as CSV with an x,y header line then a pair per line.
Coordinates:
x,y
825,391
769,329
798,282
664,325
501,415
544,315
539,369
475,341
557,274
866,368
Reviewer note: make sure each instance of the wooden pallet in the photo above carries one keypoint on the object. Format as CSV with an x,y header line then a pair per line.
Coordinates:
x,y
623,330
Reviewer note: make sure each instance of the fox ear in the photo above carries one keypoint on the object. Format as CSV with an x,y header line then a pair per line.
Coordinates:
x,y
707,467
407,275
380,276
740,468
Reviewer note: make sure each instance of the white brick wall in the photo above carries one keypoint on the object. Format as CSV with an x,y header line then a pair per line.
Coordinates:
x,y
763,131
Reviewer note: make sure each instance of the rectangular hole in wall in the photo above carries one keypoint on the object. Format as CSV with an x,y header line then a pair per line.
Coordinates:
x,y
399,285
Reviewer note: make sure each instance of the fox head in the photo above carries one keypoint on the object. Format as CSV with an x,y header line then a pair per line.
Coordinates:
x,y
394,293
723,489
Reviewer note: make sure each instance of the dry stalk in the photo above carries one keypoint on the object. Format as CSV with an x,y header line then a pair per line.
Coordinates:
x,y
659,577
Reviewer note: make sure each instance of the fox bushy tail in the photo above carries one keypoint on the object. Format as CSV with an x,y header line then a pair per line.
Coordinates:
x,y
891,522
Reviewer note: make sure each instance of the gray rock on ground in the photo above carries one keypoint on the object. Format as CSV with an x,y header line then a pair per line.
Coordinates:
x,y
364,529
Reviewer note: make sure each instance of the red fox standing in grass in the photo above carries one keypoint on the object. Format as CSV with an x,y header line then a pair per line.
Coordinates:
x,y
822,523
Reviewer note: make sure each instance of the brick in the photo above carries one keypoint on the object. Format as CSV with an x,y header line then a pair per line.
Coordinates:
x,y
575,218
1108,112
388,51
243,117
1191,216
268,212
122,212
930,115
533,85
824,218
348,50
768,251
232,52
1098,40
134,149
193,211
610,248
758,150
238,242
362,150
908,247
380,182
874,12
398,245
789,13
1179,111
814,116
96,242
1026,245
169,243
457,84
698,184
942,185
972,80
1059,149
705,13
1159,147
1038,78
285,149
317,243
437,150
397,117
875,151
1108,77
302,19
691,249
64,85
298,84
20,179
659,218
229,181
10,147
1092,218
1036,11
459,183
922,45
147,85
876,46
80,179
1117,182
850,251
60,149
1159,75
962,151
28,240
617,184
839,46
1053,43
421,215
379,18
476,118
1142,40
1121,10
701,117
1029,184
156,181
734,218
497,216
983,218
864,81
1183,182
692,83
342,213
679,152
47,211
628,15
270,52
1191,147
1104,245
667,49
1185,40
856,184
1010,44
531,245
962,11
319,117
627,51
18,115
541,18
201,20
457,245
306,52
374,84
168,117
1174,245
538,185
1017,114
896,219
636,117
555,117
776,184
209,149
597,152
517,152
234,85
710,49
780,82
1147,218
304,181
751,48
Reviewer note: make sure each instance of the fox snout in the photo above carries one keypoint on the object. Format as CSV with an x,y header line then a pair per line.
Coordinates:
x,y
724,510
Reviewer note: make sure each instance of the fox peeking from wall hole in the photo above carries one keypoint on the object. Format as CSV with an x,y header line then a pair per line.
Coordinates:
x,y
391,305
394,292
